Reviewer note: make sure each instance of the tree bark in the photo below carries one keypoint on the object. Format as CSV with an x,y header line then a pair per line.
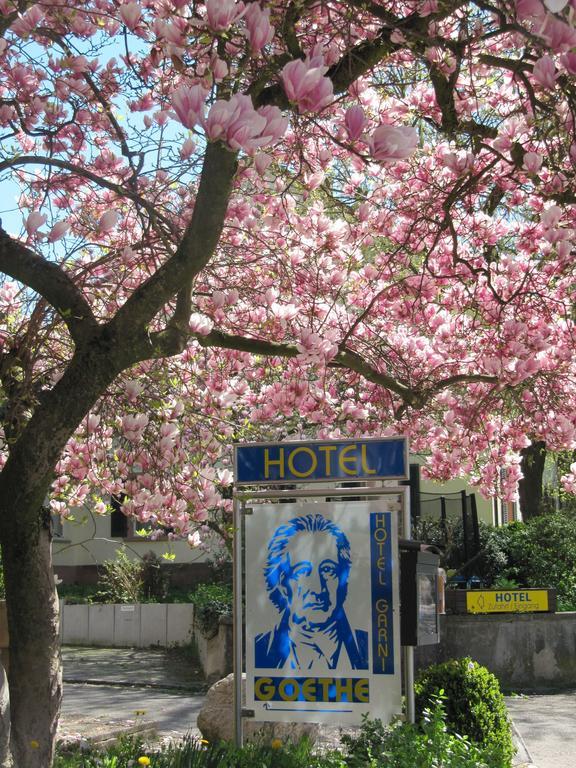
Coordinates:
x,y
35,680
530,486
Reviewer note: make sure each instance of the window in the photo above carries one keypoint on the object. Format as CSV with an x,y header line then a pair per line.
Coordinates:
x,y
118,520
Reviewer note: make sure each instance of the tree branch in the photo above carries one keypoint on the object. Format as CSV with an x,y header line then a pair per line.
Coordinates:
x,y
196,248
344,359
85,174
50,281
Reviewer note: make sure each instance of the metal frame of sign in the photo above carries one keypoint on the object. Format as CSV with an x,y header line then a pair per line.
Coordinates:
x,y
241,508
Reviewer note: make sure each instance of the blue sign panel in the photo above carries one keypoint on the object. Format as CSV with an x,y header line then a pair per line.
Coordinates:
x,y
334,460
382,594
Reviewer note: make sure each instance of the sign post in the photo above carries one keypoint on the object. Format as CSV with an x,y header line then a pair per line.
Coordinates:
x,y
322,605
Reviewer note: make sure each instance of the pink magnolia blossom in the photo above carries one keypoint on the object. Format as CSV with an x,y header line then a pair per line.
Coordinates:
x,y
314,180
530,9
461,162
221,14
355,120
237,123
561,37
188,103
532,162
133,390
219,69
58,230
225,477
363,212
58,507
568,61
34,221
187,149
262,162
552,216
544,72
134,426
100,508
260,31
312,346
92,422
276,122
130,13
200,324
108,221
390,143
27,23
305,84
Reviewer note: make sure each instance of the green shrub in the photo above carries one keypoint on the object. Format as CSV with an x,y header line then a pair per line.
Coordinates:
x,y
489,564
211,601
539,553
121,580
192,753
78,594
542,553
367,744
474,705
429,744
121,754
155,580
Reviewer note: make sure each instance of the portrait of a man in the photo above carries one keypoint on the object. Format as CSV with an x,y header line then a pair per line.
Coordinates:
x,y
306,575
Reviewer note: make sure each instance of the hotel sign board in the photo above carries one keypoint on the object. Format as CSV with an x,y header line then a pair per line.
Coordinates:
x,y
321,461
509,601
322,611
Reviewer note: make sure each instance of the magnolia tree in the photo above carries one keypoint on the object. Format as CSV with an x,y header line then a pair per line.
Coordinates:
x,y
239,220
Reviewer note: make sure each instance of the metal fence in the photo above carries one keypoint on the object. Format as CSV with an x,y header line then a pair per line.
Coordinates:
x,y
446,512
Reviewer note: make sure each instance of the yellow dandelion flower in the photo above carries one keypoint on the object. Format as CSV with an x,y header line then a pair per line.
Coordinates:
x,y
34,744
144,760
276,743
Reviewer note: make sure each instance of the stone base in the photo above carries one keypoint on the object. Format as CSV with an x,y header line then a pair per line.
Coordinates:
x,y
216,719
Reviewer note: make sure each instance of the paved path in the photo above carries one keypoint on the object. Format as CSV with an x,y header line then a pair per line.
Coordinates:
x,y
172,670
134,689
113,690
547,725
102,711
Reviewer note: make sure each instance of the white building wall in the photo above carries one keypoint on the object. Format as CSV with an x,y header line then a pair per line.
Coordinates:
x,y
87,541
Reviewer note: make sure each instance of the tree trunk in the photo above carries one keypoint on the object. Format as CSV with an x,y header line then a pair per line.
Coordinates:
x,y
34,676
530,487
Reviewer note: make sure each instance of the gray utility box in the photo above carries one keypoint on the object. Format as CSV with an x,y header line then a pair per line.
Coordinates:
x,y
419,621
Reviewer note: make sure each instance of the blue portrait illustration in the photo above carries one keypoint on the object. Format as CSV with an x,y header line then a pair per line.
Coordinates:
x,y
306,574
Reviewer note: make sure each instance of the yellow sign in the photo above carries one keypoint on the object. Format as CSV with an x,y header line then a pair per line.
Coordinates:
x,y
507,601
317,689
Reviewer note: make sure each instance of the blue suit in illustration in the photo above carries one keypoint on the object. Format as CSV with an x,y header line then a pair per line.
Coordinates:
x,y
306,574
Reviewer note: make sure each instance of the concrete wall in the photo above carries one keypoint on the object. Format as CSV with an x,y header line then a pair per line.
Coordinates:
x,y
531,652
136,626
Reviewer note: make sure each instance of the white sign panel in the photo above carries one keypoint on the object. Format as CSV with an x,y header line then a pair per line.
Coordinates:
x,y
322,611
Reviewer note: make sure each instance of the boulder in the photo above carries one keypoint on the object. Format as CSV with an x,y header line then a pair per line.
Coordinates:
x,y
216,719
